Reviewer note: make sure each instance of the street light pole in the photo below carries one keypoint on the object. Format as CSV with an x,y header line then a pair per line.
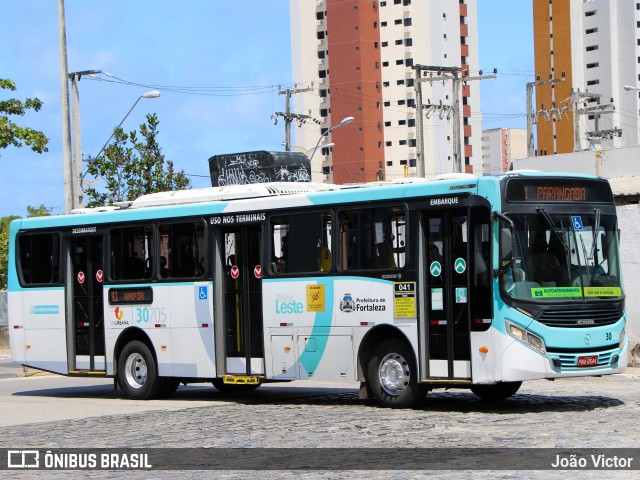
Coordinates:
x,y
151,94
344,121
64,100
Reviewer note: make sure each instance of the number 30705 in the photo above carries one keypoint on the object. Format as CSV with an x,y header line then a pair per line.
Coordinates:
x,y
151,315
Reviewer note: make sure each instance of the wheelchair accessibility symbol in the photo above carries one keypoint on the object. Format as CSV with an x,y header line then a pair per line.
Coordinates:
x,y
202,293
577,224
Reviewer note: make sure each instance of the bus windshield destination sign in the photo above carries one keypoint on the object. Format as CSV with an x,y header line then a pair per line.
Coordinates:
x,y
541,190
130,296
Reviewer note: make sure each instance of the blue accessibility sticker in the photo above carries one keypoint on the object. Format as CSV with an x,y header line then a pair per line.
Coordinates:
x,y
577,223
202,293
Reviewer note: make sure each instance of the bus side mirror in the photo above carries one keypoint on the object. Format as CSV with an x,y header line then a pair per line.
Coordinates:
x,y
506,245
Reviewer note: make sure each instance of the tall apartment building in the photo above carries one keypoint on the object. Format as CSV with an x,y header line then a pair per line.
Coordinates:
x,y
500,146
360,56
596,44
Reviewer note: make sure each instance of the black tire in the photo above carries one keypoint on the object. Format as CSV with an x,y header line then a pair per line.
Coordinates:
x,y
137,372
234,387
393,375
496,392
168,387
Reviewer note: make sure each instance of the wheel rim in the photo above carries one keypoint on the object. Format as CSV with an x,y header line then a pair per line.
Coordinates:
x,y
394,374
136,370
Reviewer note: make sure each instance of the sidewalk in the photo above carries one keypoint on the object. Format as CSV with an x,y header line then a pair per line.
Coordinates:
x,y
10,369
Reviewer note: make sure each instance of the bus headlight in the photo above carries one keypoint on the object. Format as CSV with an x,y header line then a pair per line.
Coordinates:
x,y
623,336
526,337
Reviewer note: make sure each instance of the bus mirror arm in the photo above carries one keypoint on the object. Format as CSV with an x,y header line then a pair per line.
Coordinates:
x,y
507,246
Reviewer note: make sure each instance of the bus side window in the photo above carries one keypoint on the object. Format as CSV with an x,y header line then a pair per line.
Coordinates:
x,y
480,292
39,258
182,250
132,251
372,238
301,243
279,244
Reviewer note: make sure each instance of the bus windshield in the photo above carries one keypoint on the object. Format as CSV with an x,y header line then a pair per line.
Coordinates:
x,y
564,257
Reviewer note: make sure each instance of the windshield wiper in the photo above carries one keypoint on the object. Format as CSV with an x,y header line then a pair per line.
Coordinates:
x,y
596,229
554,229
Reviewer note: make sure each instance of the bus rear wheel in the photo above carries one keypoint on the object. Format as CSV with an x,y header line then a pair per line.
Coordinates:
x,y
137,372
496,392
393,375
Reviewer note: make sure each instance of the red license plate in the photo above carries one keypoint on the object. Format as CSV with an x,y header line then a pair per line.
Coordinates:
x,y
588,361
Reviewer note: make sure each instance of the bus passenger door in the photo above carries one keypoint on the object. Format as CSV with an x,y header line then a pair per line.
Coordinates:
x,y
447,304
242,299
87,302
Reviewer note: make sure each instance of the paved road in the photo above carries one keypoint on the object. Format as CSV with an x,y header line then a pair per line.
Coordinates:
x,y
78,413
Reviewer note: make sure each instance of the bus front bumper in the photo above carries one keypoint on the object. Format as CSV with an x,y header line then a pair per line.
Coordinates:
x,y
522,363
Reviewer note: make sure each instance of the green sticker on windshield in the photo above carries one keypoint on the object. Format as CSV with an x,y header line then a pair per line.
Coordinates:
x,y
603,292
556,292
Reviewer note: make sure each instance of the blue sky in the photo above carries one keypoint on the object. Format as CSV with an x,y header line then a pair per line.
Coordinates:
x,y
227,48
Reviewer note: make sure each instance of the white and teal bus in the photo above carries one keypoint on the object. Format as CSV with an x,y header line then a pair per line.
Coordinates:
x,y
466,282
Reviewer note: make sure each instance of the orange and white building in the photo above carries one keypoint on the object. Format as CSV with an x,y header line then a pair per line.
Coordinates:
x,y
596,45
360,55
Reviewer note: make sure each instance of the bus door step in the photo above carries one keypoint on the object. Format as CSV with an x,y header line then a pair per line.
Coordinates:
x,y
93,373
242,379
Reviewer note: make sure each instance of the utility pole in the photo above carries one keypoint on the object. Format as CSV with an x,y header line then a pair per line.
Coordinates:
x,y
64,98
457,144
531,115
578,97
420,160
78,191
444,73
288,116
417,86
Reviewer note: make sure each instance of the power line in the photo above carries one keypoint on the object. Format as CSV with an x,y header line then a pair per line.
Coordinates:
x,y
219,91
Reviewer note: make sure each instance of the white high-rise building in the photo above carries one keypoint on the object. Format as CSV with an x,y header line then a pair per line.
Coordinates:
x,y
360,56
595,46
500,147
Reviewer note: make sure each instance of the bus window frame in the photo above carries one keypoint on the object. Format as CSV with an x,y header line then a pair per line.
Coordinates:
x,y
374,206
270,247
156,267
61,258
109,251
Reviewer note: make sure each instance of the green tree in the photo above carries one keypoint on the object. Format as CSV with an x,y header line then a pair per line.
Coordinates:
x,y
132,166
40,211
12,134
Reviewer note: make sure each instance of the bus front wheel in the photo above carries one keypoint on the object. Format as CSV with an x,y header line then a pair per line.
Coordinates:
x,y
393,375
496,392
137,372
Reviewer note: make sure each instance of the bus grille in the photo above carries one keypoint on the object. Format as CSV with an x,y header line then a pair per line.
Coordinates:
x,y
591,317
569,361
